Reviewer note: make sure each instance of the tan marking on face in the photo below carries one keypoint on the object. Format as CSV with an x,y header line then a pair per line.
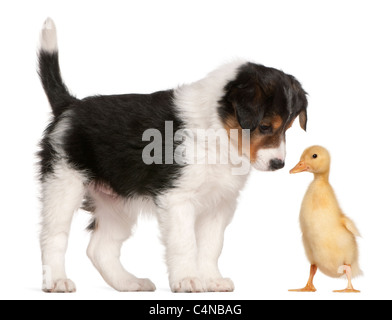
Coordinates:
x,y
276,122
257,140
232,124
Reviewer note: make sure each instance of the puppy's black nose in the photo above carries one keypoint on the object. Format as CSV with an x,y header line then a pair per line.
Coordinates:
x,y
276,164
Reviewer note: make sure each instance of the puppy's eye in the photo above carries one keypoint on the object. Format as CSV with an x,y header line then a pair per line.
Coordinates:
x,y
265,128
314,156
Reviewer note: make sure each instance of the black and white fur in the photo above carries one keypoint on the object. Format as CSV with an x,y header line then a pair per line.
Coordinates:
x,y
91,154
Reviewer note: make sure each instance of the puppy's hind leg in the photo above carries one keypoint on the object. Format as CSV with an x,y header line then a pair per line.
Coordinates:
x,y
62,194
114,220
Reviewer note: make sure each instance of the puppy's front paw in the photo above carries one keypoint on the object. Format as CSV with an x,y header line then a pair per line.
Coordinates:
x,y
131,283
146,285
60,286
220,285
189,284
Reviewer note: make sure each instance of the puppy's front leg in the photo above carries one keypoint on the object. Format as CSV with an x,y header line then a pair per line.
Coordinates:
x,y
177,225
210,228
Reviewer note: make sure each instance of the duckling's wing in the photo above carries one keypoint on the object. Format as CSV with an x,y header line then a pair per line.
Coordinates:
x,y
350,226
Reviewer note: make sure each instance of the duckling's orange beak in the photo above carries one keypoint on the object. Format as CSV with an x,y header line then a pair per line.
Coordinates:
x,y
300,167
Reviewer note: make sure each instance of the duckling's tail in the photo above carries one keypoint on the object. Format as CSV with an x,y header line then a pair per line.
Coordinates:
x,y
356,270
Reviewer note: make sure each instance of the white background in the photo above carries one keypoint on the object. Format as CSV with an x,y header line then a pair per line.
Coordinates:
x,y
339,50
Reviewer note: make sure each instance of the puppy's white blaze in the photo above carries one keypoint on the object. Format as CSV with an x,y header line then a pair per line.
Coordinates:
x,y
49,36
281,155
264,156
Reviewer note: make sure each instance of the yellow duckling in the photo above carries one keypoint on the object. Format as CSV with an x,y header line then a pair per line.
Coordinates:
x,y
328,235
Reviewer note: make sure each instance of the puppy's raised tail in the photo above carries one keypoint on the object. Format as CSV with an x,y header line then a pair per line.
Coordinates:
x,y
49,70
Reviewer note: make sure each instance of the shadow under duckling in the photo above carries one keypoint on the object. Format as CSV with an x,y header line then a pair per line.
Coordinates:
x,y
328,235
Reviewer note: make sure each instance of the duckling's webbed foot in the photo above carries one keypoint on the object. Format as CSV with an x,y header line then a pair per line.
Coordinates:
x,y
347,290
309,286
350,288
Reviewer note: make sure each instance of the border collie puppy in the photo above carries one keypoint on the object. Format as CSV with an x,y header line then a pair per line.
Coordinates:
x,y
96,153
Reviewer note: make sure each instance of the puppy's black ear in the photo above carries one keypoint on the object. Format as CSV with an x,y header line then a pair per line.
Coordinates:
x,y
247,102
303,119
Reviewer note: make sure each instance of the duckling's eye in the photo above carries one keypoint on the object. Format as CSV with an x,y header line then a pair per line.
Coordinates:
x,y
314,156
